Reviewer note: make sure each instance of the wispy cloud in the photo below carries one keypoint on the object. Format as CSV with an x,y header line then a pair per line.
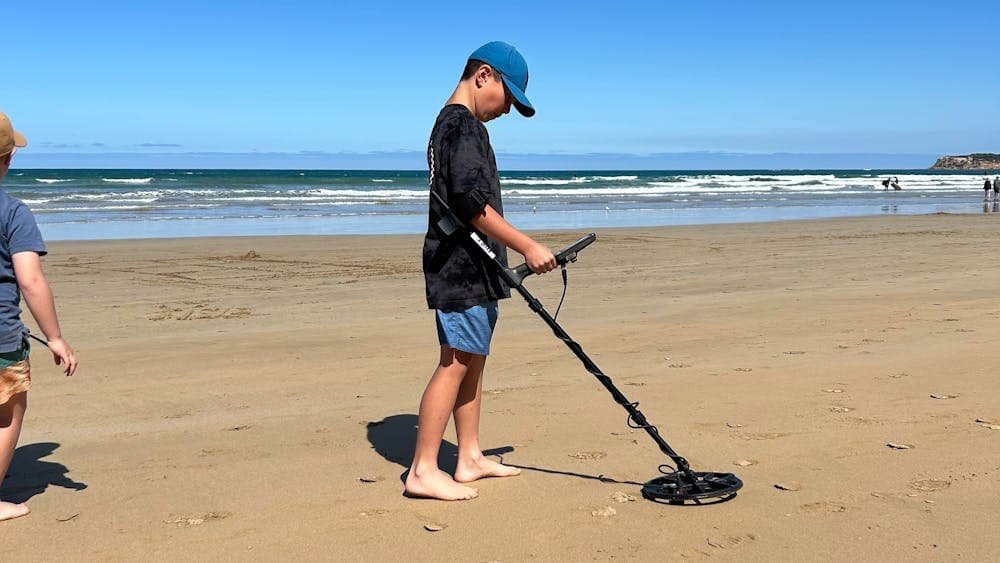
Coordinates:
x,y
53,145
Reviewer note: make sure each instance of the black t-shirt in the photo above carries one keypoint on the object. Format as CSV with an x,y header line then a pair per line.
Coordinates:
x,y
457,274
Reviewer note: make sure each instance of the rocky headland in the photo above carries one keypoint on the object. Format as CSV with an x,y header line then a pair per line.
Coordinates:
x,y
977,161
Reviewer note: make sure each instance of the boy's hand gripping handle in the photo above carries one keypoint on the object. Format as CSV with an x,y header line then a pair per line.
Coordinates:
x,y
563,257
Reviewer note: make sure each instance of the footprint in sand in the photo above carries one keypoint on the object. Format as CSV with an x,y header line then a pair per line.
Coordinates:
x,y
833,390
788,486
892,497
730,542
824,507
622,496
929,485
988,423
745,462
206,452
198,520
942,396
763,435
588,455
840,409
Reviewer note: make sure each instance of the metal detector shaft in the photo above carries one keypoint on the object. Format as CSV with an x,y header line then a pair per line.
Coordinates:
x,y
636,418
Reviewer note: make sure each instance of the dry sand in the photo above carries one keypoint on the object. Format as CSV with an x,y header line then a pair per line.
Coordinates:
x,y
255,399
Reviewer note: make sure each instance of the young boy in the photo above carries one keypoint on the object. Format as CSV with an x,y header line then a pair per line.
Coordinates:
x,y
21,247
461,285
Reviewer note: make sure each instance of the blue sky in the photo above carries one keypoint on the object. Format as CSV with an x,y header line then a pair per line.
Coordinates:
x,y
357,85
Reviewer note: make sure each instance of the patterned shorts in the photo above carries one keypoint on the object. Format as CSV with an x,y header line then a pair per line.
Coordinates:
x,y
14,379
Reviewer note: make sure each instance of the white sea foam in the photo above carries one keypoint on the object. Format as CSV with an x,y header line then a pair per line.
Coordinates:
x,y
111,196
381,180
363,194
540,182
127,180
95,209
53,180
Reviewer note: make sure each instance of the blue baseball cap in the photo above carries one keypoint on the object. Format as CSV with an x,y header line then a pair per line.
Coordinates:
x,y
513,69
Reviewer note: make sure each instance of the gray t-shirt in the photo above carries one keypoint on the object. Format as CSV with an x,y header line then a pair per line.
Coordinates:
x,y
18,233
457,274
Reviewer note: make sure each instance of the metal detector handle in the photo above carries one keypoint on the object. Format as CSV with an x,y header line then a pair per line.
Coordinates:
x,y
449,224
563,257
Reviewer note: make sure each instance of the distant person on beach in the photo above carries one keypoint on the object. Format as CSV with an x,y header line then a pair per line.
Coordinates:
x,y
21,248
996,188
461,286
885,184
986,190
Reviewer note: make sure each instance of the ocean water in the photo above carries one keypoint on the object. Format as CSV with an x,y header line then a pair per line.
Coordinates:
x,y
113,204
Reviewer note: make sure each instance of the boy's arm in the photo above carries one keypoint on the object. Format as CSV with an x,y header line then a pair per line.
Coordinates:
x,y
536,255
38,295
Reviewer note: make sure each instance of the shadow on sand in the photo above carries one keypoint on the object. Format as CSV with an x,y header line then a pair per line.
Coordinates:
x,y
28,475
394,438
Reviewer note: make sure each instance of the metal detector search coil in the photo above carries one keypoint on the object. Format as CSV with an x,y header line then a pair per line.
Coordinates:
x,y
678,484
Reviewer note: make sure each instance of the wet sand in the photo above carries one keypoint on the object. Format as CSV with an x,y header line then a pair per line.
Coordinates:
x,y
255,399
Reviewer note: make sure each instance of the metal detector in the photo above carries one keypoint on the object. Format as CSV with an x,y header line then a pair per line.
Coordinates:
x,y
678,484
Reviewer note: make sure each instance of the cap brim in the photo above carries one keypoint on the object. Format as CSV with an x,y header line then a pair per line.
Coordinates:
x,y
521,102
19,140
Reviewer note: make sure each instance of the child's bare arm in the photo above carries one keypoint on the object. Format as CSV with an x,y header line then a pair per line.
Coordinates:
x,y
38,295
538,256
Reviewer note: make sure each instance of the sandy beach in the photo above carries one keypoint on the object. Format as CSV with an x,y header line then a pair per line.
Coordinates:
x,y
255,399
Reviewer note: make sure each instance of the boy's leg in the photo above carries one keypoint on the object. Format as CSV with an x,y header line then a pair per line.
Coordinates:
x,y
11,416
472,464
425,478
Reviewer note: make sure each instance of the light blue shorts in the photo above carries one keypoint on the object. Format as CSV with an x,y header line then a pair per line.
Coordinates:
x,y
469,330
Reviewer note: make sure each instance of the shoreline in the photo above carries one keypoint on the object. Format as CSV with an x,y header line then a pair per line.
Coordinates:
x,y
256,396
534,230
378,225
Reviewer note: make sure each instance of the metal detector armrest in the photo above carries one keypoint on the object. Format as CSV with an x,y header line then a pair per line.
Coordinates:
x,y
563,257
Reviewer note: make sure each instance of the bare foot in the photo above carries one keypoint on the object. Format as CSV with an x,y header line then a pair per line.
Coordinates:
x,y
475,469
437,484
9,510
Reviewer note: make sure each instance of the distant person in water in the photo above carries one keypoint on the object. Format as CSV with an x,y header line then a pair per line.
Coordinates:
x,y
885,184
996,188
986,190
895,183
